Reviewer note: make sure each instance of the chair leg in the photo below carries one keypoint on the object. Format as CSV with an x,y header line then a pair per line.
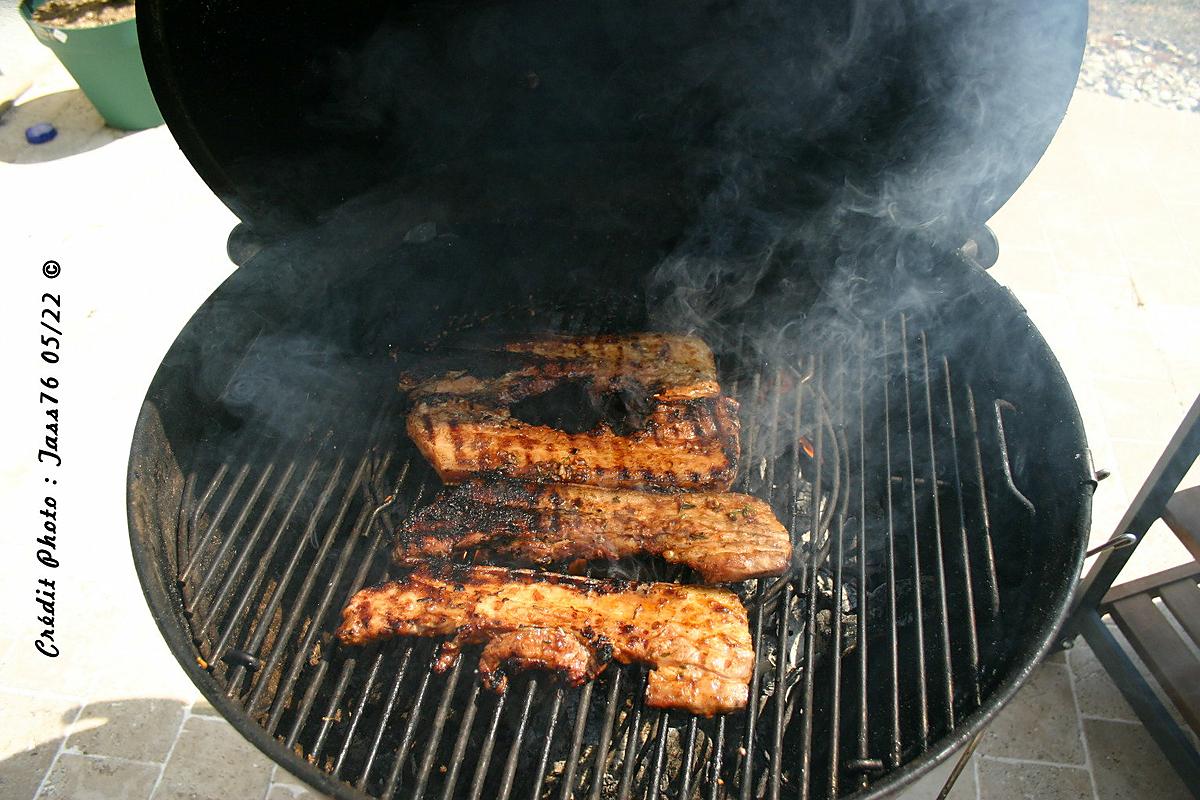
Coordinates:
x,y
1154,715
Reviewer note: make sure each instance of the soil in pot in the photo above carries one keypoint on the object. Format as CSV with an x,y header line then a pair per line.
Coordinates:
x,y
83,13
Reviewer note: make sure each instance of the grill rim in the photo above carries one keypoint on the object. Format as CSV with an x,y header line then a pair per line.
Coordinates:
x,y
166,606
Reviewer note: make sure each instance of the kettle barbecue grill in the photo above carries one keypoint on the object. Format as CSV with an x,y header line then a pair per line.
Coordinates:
x,y
793,182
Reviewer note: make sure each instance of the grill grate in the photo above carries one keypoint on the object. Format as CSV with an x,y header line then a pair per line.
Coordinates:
x,y
879,641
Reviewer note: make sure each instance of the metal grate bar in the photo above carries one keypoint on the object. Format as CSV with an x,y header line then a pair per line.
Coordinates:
x,y
207,497
807,688
235,570
939,559
838,563
751,446
357,715
835,673
600,764
199,547
689,755
781,692
386,716
514,750
414,716
299,602
331,711
810,625
283,635
260,630
715,782
435,735
489,743
230,537
781,644
355,584
747,759
645,750
545,758
893,630
235,614
572,763
460,744
776,397
183,532
660,755
748,740
283,694
864,718
366,517
968,587
635,727
989,556
918,604
306,702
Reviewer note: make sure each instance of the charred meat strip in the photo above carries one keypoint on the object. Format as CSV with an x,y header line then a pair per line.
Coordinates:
x,y
671,367
695,639
722,535
666,367
689,445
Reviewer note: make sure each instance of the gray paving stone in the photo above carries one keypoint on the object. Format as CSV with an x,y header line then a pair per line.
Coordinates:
x,y
1055,656
1116,346
1094,689
1147,410
280,791
1170,281
1128,765
1032,270
287,786
203,708
211,761
1007,780
31,731
140,729
1040,723
77,777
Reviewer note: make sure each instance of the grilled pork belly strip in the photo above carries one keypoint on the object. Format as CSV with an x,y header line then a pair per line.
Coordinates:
x,y
668,367
692,445
722,535
695,639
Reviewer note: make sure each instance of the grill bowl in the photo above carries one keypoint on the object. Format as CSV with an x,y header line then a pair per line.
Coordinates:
x,y
212,463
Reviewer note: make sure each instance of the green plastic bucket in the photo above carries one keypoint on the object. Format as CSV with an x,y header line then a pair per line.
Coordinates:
x,y
107,65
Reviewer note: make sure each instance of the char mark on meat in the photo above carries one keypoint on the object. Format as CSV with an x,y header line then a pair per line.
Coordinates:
x,y
690,445
723,536
669,367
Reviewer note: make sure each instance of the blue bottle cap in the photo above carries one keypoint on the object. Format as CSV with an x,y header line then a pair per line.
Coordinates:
x,y
40,133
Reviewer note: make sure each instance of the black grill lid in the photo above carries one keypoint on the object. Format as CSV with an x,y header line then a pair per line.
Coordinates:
x,y
621,113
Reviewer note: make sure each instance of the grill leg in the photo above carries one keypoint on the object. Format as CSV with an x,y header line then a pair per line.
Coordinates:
x,y
967,752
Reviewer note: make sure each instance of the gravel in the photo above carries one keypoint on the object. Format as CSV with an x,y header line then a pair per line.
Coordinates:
x,y
1144,50
1141,68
